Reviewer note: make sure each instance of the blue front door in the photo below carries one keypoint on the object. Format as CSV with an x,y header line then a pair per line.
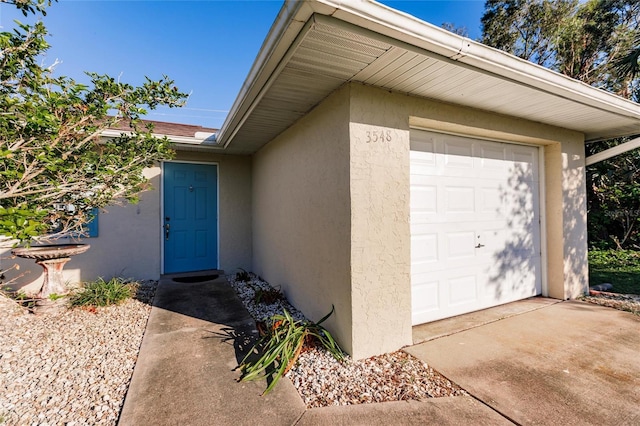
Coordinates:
x,y
190,231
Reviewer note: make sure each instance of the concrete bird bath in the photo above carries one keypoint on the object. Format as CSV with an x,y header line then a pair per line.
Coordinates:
x,y
52,258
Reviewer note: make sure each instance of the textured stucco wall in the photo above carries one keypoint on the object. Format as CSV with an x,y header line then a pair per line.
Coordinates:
x,y
576,267
385,273
335,232
380,234
301,222
129,238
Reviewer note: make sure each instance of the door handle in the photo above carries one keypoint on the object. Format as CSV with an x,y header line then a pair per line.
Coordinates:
x,y
166,231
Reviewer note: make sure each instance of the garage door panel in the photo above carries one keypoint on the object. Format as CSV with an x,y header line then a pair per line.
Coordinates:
x,y
474,224
461,245
459,199
491,156
426,198
458,154
424,248
490,201
463,290
525,163
424,297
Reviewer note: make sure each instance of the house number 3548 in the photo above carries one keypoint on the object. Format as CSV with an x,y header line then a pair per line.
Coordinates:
x,y
374,136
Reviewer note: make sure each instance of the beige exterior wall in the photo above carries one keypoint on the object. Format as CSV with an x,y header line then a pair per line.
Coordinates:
x,y
301,215
576,267
332,232
564,183
381,238
129,241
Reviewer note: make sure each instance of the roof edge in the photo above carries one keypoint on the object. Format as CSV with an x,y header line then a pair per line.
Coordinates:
x,y
408,29
200,138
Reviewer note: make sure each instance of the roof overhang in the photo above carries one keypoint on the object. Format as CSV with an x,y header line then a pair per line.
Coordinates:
x,y
200,141
316,46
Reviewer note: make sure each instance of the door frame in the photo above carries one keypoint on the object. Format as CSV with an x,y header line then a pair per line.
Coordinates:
x,y
542,190
161,227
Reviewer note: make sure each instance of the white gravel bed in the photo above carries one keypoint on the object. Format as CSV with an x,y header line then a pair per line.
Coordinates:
x,y
623,302
72,367
321,380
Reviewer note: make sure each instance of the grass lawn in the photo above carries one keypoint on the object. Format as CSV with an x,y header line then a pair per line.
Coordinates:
x,y
618,267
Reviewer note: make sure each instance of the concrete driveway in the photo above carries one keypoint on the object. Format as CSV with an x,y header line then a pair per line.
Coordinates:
x,y
562,363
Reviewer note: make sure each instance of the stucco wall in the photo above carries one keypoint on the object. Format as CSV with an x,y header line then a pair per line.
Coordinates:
x,y
314,215
381,239
129,238
576,267
380,203
301,219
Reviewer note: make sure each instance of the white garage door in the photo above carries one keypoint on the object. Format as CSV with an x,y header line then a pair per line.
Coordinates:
x,y
475,224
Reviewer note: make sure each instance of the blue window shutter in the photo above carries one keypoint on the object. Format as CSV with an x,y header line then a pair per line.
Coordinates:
x,y
91,227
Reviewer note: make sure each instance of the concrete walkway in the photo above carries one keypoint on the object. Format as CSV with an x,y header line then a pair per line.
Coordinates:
x,y
196,335
568,363
534,362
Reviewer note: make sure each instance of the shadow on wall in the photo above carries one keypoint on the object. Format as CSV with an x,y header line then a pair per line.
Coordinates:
x,y
517,262
576,267
516,272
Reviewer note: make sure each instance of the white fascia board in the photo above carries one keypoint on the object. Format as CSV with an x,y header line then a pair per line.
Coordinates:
x,y
290,20
612,152
201,138
412,31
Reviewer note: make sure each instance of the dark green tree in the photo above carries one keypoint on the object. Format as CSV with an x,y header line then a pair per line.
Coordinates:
x,y
597,42
527,29
55,167
629,64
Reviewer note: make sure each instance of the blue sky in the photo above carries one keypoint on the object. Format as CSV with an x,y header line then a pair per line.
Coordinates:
x,y
207,47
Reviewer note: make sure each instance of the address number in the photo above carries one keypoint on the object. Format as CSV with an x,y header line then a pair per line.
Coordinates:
x,y
375,136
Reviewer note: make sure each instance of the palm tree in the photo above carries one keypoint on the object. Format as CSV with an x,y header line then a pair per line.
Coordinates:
x,y
629,64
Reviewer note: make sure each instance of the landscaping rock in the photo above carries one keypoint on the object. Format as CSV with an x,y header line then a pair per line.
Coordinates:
x,y
70,367
602,287
321,380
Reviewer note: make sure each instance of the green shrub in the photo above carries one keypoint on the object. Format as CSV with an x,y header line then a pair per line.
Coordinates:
x,y
103,293
614,258
618,267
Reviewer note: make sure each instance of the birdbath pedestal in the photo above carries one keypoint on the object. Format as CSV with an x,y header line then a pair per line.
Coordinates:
x,y
52,258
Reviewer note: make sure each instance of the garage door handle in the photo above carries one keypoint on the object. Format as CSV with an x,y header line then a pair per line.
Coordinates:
x,y
480,245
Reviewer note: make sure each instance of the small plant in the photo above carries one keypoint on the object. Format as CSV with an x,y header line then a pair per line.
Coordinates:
x,y
267,296
19,297
280,347
55,296
103,293
243,276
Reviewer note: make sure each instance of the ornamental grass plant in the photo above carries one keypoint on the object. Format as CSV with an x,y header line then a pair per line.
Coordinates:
x,y
280,346
103,293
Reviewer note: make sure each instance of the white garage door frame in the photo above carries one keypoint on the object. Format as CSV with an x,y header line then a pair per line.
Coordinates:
x,y
541,192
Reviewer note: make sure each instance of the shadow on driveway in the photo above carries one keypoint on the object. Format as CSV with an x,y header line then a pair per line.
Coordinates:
x,y
185,374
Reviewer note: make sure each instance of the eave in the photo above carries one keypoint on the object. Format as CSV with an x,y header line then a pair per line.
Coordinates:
x,y
314,47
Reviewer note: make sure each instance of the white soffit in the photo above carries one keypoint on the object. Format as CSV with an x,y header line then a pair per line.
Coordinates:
x,y
316,46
